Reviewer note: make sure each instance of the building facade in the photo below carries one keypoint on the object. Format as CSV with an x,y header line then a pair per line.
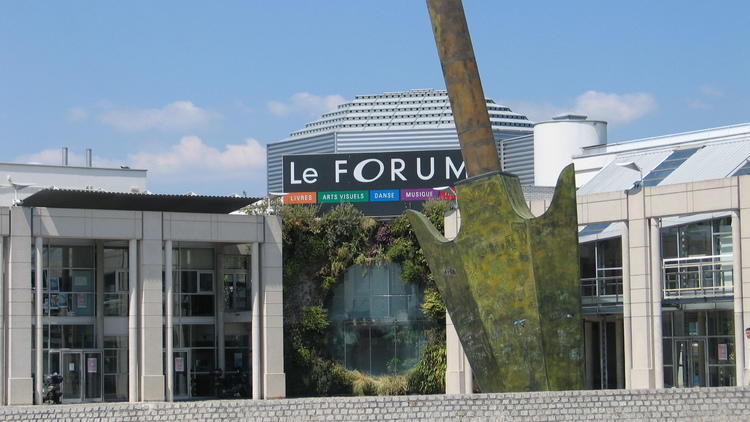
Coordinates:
x,y
663,227
22,180
414,120
139,303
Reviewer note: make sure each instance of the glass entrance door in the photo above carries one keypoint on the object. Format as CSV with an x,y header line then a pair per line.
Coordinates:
x,y
691,363
82,376
72,376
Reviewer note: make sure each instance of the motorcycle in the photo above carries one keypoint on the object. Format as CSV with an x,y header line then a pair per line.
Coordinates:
x,y
52,389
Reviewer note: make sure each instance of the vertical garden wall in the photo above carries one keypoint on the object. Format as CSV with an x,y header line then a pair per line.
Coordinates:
x,y
329,261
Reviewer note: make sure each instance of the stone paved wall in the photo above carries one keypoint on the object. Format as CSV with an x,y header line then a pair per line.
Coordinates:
x,y
702,404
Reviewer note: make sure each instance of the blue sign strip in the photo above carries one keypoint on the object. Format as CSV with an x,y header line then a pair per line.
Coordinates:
x,y
384,195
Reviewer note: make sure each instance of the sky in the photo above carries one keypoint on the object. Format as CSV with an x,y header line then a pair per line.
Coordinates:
x,y
193,91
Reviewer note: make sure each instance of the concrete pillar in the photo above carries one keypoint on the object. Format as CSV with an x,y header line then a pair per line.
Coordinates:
x,y
640,290
19,385
274,380
256,350
458,376
151,322
99,283
656,296
219,289
2,317
739,334
468,374
456,363
169,305
38,326
133,320
742,277
627,334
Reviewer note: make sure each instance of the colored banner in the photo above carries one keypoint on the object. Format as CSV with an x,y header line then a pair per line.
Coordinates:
x,y
343,196
418,194
447,195
384,195
300,198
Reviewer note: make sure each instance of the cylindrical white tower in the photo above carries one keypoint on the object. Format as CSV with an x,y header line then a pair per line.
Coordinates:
x,y
559,139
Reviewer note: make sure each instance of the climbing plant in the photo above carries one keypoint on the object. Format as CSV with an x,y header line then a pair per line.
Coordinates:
x,y
318,249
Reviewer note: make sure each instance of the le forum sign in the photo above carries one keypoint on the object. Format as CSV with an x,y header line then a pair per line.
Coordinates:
x,y
380,184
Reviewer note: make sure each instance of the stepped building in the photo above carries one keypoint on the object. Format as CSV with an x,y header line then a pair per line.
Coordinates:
x,y
414,120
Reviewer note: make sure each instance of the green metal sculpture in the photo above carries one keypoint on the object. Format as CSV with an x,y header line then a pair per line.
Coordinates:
x,y
510,281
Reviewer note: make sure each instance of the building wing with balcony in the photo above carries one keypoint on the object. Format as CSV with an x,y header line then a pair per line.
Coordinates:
x,y
661,270
664,286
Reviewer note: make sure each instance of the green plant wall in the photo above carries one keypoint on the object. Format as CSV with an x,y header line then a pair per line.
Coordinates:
x,y
318,249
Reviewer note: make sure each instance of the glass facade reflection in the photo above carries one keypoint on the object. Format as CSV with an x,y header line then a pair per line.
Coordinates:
x,y
377,326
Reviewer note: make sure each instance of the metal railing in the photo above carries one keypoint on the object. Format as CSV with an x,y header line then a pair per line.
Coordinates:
x,y
698,276
603,290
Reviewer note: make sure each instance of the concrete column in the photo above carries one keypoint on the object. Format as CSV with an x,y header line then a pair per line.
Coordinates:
x,y
256,350
739,334
656,296
627,334
2,318
151,319
219,286
641,309
742,277
458,376
99,283
455,369
169,305
274,379
38,326
20,387
468,374
133,320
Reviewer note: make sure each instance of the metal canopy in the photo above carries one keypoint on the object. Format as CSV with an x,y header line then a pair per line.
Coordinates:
x,y
90,199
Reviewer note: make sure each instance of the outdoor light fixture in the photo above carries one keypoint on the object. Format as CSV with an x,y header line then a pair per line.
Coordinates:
x,y
17,187
633,166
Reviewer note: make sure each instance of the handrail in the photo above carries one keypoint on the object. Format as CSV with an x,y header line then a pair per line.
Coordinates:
x,y
708,275
604,290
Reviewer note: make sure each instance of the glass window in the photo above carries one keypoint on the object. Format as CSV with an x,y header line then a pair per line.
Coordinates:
x,y
587,253
377,326
116,282
115,368
236,292
697,259
195,258
202,336
701,343
235,262
69,281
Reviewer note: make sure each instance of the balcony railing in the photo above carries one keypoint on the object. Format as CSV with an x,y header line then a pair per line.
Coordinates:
x,y
603,290
698,276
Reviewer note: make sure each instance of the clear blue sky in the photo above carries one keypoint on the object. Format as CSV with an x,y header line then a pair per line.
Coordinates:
x,y
194,90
